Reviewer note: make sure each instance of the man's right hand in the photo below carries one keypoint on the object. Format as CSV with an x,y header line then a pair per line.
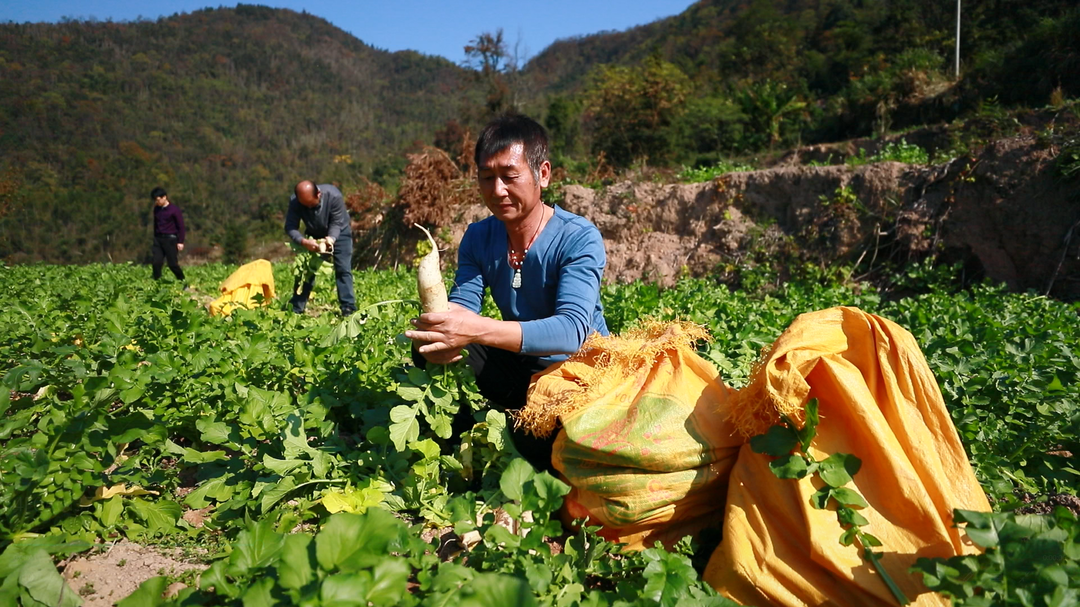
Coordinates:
x,y
310,244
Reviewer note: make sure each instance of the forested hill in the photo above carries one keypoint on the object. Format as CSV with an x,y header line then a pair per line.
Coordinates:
x,y
822,43
227,108
732,76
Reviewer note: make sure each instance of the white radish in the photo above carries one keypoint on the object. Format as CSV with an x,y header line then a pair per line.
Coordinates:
x,y
429,279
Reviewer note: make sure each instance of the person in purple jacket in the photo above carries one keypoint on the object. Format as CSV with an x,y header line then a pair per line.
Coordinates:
x,y
168,234
542,266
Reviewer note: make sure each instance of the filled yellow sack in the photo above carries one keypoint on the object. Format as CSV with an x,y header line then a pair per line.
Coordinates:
x,y
644,443
241,287
654,447
877,400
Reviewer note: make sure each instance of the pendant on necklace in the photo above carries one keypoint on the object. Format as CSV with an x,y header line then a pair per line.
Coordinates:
x,y
516,282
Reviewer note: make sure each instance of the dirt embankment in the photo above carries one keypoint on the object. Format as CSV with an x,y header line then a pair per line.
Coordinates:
x,y
1003,212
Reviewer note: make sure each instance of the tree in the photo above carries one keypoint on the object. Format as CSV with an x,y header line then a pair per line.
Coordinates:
x,y
234,245
631,109
563,118
767,105
711,125
495,67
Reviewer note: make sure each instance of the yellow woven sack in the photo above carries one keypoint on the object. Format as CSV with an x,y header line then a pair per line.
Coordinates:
x,y
877,400
644,443
241,287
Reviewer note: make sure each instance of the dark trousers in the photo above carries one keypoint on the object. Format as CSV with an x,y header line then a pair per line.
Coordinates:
x,y
164,249
503,378
342,276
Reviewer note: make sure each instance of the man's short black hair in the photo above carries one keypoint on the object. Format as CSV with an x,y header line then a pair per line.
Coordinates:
x,y
157,193
508,129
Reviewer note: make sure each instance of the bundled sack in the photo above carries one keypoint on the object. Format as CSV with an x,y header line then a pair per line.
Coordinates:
x,y
241,287
644,441
877,400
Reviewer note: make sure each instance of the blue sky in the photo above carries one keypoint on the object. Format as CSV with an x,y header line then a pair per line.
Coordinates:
x,y
432,27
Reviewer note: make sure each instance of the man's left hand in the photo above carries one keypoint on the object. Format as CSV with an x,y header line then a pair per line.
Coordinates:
x,y
450,331
443,332
179,246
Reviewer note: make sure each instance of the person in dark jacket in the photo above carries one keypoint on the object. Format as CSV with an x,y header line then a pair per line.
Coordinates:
x,y
322,209
168,234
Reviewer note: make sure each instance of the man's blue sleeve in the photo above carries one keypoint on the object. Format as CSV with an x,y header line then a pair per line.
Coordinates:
x,y
468,289
576,301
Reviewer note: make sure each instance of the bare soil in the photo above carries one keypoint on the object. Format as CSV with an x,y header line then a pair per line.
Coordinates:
x,y
1046,504
1004,213
103,578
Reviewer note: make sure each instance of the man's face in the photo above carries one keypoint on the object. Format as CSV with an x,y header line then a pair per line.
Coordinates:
x,y
161,201
507,184
309,199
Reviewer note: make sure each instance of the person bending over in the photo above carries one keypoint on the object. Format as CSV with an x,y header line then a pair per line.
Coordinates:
x,y
322,209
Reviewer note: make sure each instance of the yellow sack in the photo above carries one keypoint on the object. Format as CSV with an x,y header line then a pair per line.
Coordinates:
x,y
643,443
240,288
877,400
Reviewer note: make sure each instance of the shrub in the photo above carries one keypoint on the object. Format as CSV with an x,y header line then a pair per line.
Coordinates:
x,y
893,151
699,174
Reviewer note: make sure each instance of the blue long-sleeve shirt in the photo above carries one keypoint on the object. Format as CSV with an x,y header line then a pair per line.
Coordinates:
x,y
558,303
328,218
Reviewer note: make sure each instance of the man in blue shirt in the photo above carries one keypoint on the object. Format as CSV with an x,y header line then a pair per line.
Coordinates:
x,y
322,209
542,266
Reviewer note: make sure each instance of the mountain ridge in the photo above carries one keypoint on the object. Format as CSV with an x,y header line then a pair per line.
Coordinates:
x,y
227,108
237,102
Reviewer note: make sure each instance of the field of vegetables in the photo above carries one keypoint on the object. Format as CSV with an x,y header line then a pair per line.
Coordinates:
x,y
317,455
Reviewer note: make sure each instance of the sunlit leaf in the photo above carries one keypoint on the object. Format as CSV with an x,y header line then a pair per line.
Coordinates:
x,y
350,542
837,469
296,567
40,578
258,594
148,594
111,511
777,441
160,516
494,590
668,577
849,497
405,428
791,465
257,547
271,496
513,479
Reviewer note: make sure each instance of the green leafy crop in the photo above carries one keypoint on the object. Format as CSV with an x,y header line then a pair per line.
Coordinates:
x,y
1029,561
126,408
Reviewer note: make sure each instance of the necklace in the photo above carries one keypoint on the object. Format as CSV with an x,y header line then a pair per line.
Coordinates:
x,y
516,259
